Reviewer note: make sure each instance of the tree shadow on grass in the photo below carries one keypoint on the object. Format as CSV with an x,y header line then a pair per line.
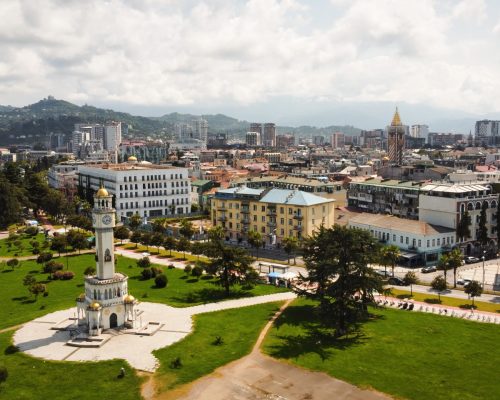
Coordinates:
x,y
7,270
21,298
312,336
432,301
193,280
35,271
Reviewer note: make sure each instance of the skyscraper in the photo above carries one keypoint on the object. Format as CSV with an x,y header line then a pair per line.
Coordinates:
x,y
269,136
396,139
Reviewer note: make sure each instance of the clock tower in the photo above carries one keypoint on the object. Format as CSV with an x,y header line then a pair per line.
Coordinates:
x,y
106,302
103,221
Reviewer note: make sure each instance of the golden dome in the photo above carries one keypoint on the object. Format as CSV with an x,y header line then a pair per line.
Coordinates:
x,y
81,297
129,299
385,158
102,192
132,158
94,306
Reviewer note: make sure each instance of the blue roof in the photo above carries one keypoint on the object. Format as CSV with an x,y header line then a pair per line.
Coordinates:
x,y
242,190
293,197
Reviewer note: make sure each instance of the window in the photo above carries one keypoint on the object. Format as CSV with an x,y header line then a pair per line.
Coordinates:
x,y
407,240
419,243
282,221
438,241
393,238
263,229
290,211
324,209
255,218
433,242
263,218
282,232
428,243
255,228
282,210
255,207
263,208
289,222
401,239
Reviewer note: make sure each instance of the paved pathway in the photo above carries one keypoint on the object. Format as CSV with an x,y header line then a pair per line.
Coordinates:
x,y
459,294
445,311
38,339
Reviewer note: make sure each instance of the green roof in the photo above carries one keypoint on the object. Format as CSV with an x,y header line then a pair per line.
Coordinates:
x,y
200,182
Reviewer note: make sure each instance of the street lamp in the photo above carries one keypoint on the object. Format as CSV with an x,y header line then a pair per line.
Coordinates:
x,y
483,258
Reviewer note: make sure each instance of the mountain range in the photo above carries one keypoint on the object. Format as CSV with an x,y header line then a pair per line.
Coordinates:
x,y
37,121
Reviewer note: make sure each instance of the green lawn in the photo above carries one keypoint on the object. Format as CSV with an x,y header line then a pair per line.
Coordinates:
x,y
164,253
31,378
24,249
408,355
448,301
239,329
18,306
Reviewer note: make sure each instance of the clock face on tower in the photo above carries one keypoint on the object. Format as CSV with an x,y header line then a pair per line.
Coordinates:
x,y
106,220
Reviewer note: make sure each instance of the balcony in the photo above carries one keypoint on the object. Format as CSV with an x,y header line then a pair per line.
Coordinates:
x,y
297,227
271,223
271,213
222,218
245,210
245,221
298,217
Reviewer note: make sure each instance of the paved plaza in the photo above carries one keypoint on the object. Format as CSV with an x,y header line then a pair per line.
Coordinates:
x,y
39,338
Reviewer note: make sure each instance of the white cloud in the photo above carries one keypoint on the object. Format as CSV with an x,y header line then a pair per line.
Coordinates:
x,y
203,52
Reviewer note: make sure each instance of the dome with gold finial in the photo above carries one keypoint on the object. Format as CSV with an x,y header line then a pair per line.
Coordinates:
x,y
94,306
129,299
396,120
386,158
132,159
102,192
81,298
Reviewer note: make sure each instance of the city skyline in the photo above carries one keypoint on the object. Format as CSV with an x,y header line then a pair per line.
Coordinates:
x,y
331,62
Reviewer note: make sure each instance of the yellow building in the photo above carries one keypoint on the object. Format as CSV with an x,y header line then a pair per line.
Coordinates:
x,y
274,213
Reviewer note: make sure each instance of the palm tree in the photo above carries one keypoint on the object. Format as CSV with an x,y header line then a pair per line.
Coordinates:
x,y
255,240
391,254
455,261
290,245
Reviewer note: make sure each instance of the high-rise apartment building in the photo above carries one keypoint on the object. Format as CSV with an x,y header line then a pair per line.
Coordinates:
x,y
285,141
269,136
487,132
396,139
256,127
112,136
200,129
318,140
419,131
337,140
252,139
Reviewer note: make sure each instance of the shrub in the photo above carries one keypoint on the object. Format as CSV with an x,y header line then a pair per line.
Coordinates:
x,y
11,349
45,294
218,341
197,271
171,266
31,231
187,269
144,262
52,266
44,257
176,363
35,251
89,271
13,262
156,271
63,275
146,274
161,281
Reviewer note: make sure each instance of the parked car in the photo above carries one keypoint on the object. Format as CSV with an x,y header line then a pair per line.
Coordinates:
x,y
471,260
463,282
383,273
396,281
146,254
427,270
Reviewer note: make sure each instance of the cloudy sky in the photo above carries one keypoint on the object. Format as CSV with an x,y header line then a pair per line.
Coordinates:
x,y
292,61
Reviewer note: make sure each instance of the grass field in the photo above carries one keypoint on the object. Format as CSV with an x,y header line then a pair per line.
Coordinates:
x,y
24,248
448,301
18,306
239,329
31,378
164,253
409,355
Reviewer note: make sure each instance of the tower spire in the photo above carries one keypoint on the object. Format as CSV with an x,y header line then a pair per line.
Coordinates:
x,y
396,120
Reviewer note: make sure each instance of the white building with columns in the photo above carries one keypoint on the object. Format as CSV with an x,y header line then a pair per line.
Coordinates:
x,y
106,303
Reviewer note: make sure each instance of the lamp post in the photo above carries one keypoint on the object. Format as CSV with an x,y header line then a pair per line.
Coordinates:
x,y
483,257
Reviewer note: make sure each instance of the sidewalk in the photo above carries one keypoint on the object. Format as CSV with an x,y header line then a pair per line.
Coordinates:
x,y
489,298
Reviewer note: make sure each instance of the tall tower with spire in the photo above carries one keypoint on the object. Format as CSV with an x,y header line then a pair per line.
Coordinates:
x,y
106,302
396,139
